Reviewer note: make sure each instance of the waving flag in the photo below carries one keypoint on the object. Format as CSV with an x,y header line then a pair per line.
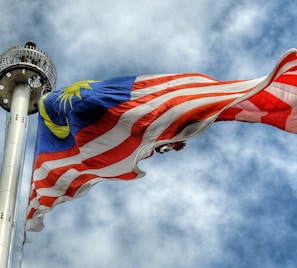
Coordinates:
x,y
97,130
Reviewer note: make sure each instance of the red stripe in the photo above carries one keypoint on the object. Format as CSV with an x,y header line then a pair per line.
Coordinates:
x,y
192,116
289,58
69,192
53,176
288,79
33,194
43,157
31,213
229,114
47,201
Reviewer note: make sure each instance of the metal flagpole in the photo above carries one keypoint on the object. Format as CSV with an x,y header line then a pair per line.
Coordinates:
x,y
26,73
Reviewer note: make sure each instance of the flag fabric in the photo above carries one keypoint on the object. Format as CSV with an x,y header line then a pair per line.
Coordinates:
x,y
96,130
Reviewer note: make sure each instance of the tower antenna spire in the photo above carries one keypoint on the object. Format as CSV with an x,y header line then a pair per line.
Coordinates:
x,y
26,72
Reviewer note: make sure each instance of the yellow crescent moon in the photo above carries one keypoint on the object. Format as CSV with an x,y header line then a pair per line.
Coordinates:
x,y
66,96
60,131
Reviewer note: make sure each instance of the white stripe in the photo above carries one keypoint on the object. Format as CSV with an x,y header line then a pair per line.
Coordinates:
x,y
218,88
199,78
61,184
250,112
141,78
41,172
246,105
286,67
250,116
286,93
172,83
291,73
61,187
166,119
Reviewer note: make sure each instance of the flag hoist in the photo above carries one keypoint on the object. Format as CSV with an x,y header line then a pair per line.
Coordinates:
x,y
26,73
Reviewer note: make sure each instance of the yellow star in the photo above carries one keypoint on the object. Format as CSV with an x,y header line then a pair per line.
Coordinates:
x,y
73,90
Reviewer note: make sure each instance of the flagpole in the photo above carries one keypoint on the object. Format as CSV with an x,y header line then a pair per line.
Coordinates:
x,y
26,73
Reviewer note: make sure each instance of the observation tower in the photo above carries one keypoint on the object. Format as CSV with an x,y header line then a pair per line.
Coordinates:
x,y
26,72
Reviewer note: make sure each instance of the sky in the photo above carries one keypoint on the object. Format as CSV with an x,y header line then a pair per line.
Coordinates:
x,y
229,198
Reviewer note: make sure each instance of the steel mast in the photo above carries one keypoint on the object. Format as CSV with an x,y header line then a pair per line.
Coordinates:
x,y
26,72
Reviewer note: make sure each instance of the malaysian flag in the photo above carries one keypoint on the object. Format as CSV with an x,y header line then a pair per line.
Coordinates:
x,y
97,130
